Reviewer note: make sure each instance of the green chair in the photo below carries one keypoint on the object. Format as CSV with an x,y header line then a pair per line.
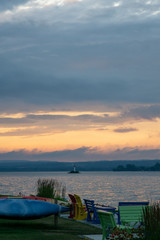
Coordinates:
x,y
131,214
130,204
108,223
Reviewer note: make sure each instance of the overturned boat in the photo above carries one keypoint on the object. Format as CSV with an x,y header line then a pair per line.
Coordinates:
x,y
28,209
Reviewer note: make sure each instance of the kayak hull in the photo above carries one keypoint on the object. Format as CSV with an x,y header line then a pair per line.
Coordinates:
x,y
28,209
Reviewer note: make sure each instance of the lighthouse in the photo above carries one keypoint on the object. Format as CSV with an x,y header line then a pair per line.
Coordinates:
x,y
74,169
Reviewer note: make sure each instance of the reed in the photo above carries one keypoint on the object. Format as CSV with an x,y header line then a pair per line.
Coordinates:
x,y
151,220
50,188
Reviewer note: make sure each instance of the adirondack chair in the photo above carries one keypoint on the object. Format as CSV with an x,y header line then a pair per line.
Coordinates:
x,y
130,204
108,223
131,214
92,210
81,209
73,207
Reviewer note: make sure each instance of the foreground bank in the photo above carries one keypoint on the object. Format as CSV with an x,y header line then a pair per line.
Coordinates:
x,y
44,229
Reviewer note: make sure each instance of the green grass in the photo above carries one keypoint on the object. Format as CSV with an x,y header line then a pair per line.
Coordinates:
x,y
44,229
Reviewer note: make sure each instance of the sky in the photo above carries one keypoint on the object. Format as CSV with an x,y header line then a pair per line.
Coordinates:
x,y
79,80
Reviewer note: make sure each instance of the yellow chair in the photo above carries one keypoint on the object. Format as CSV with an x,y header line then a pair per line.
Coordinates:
x,y
81,212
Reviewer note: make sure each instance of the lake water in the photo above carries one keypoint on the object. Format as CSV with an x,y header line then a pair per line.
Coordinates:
x,y
103,187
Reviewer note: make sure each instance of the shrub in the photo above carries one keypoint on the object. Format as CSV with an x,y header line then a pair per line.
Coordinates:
x,y
151,219
50,188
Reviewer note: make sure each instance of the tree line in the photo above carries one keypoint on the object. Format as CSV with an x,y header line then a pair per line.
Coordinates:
x,y
132,167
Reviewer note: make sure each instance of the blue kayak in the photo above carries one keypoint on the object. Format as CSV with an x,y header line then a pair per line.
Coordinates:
x,y
28,209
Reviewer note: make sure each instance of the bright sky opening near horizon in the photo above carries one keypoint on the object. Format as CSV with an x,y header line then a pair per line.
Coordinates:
x,y
79,80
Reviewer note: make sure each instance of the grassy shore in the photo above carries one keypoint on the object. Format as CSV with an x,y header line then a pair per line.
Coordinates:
x,y
44,229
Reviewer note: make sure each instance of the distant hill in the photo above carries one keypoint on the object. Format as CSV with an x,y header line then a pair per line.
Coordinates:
x,y
25,166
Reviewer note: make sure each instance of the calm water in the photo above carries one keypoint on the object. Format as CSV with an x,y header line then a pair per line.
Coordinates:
x,y
103,187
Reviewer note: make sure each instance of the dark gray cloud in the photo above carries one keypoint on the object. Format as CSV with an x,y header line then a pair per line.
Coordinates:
x,y
125,130
50,124
132,154
148,112
15,121
68,155
82,154
129,153
59,55
66,121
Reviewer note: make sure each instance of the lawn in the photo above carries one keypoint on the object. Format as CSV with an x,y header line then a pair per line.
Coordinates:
x,y
44,229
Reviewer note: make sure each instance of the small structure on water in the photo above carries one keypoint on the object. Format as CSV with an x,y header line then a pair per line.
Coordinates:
x,y
74,169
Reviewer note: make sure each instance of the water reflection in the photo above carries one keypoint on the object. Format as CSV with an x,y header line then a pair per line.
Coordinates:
x,y
103,187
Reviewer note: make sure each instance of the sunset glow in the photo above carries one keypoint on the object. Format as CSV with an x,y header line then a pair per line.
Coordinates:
x,y
79,80
58,131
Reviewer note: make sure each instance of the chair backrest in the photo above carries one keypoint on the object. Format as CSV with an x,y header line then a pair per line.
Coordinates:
x,y
90,205
132,203
78,200
130,214
91,211
72,198
107,219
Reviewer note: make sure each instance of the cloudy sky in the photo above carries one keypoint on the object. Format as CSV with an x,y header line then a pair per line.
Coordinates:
x,y
79,79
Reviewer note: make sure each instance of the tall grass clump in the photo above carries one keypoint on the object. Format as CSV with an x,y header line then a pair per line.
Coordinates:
x,y
50,188
151,219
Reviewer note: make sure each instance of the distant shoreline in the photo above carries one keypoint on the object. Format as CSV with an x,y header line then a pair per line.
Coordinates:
x,y
1,171
91,166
